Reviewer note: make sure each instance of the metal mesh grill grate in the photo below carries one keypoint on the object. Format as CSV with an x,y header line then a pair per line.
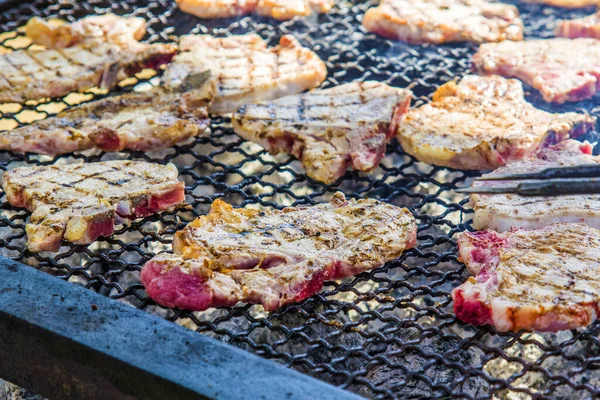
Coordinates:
x,y
390,333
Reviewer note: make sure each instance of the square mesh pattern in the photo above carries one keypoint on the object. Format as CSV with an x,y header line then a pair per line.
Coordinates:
x,y
386,334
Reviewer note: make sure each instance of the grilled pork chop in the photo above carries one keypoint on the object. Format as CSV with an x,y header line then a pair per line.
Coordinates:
x,y
483,123
87,61
81,202
580,27
58,34
279,9
502,212
244,69
275,257
443,21
328,130
561,69
145,121
542,280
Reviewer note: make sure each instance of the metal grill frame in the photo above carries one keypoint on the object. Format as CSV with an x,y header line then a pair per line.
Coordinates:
x,y
389,333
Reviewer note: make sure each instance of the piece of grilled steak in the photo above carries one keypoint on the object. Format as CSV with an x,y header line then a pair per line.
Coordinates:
x,y
585,27
502,212
443,21
144,121
244,70
81,202
561,69
279,9
58,34
483,122
566,3
538,280
329,130
90,61
275,257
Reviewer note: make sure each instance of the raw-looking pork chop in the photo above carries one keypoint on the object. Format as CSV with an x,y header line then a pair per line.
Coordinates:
x,y
244,69
566,3
58,34
538,280
502,212
483,122
443,21
561,69
329,130
585,27
88,62
144,121
81,202
278,9
275,257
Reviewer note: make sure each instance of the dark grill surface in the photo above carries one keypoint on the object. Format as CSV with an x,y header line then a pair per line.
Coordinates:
x,y
386,334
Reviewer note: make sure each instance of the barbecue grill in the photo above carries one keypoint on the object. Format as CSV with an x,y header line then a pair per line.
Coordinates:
x,y
390,333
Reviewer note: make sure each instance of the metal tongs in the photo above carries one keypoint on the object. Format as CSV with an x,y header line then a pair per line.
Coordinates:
x,y
548,182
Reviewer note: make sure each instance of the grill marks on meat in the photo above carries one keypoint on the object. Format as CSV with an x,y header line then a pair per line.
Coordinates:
x,y
244,70
328,130
443,21
82,202
89,62
279,9
502,212
561,69
275,257
483,123
544,280
585,27
144,121
58,34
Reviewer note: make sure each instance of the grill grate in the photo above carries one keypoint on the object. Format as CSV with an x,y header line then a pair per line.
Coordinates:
x,y
390,333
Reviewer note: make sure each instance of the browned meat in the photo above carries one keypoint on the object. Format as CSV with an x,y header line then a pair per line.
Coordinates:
x,y
58,34
275,257
328,130
244,69
81,202
503,212
96,51
539,280
278,9
483,123
145,121
561,69
443,21
580,27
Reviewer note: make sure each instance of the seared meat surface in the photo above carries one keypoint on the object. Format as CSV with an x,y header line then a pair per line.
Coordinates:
x,y
538,280
279,9
443,21
58,34
328,130
145,121
244,70
275,257
483,122
81,202
580,27
502,212
78,62
561,69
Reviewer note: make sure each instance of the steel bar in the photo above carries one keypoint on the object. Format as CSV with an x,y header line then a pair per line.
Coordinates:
x,y
551,187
